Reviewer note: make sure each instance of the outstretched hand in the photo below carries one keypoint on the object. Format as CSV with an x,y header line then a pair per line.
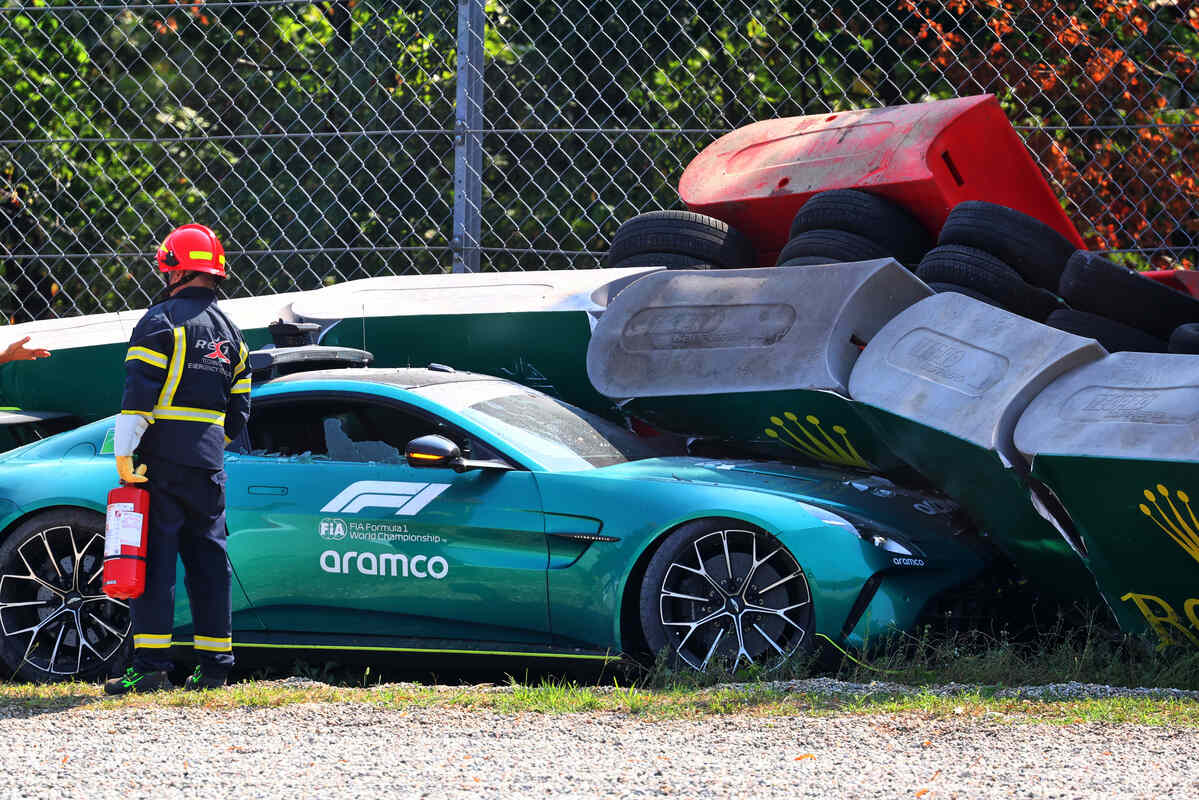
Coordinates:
x,y
17,351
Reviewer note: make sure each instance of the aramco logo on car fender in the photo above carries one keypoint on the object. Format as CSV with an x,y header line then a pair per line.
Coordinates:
x,y
395,565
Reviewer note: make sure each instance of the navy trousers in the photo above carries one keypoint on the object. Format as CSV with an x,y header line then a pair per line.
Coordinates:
x,y
187,521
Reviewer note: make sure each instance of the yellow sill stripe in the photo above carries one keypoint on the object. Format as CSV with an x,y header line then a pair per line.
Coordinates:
x,y
185,414
152,640
175,372
241,387
151,357
200,255
434,650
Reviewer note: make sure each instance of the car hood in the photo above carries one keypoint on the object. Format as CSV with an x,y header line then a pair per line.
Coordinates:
x,y
867,501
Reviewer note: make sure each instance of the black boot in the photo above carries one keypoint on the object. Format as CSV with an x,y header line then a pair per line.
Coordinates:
x,y
134,681
201,680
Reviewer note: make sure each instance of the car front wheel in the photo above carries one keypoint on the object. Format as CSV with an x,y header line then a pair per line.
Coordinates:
x,y
721,592
55,621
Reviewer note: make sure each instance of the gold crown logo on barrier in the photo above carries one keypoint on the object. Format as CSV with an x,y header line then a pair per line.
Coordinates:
x,y
1185,533
826,448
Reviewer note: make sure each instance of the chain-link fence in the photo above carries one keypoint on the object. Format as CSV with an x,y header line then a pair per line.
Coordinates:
x,y
352,138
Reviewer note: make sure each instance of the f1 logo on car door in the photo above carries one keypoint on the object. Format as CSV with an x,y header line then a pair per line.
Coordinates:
x,y
406,498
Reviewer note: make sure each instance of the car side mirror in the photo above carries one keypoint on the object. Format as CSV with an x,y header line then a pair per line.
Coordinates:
x,y
438,451
433,451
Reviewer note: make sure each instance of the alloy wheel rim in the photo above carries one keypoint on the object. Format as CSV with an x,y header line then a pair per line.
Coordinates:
x,y
735,595
51,600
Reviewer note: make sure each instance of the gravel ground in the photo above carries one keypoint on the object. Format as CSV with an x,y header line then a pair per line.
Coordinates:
x,y
356,750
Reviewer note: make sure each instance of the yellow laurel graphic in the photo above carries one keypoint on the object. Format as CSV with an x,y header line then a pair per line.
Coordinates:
x,y
1185,533
789,431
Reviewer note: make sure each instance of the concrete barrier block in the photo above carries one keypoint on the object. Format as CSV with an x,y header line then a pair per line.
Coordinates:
x,y
1127,405
965,368
750,330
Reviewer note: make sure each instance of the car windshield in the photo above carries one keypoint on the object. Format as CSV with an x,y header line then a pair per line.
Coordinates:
x,y
555,433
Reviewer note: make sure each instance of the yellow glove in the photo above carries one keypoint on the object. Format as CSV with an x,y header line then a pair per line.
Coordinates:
x,y
125,470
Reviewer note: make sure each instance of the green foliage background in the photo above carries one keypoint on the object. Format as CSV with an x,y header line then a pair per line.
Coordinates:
x,y
317,138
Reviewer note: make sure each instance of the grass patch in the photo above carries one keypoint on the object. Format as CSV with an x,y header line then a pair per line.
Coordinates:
x,y
567,697
903,674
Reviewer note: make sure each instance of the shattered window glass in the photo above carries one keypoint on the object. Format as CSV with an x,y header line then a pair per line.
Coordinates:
x,y
559,435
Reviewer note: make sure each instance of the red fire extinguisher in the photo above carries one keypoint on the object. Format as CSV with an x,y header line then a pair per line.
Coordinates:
x,y
125,531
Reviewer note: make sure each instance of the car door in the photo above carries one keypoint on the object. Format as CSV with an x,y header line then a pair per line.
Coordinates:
x,y
333,534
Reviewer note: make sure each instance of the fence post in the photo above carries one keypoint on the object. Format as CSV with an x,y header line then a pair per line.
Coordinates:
x,y
468,138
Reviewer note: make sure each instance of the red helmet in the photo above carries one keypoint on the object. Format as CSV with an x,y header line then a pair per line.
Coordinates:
x,y
192,248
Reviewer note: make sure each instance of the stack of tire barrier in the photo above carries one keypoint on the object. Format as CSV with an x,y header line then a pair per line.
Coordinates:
x,y
998,256
849,225
939,383
679,240
984,251
1124,310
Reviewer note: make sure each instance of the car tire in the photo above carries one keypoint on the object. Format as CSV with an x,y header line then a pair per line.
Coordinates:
x,y
55,621
1036,251
1092,283
886,224
939,288
702,609
666,260
1185,339
987,275
1116,337
836,246
684,233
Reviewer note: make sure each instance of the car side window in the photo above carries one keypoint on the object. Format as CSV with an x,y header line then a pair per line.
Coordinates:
x,y
348,430
335,430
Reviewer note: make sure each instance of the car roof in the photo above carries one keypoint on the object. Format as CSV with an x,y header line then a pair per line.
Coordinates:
x,y
400,377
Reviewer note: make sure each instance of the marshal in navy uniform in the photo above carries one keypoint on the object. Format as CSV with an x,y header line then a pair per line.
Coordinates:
x,y
187,394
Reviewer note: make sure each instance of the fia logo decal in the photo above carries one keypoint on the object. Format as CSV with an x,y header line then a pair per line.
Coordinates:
x,y
406,498
333,529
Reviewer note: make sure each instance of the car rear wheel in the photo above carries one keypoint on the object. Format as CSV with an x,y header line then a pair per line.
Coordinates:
x,y
721,592
55,621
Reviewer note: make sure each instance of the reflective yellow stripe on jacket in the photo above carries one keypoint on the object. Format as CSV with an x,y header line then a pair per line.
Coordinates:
x,y
166,397
185,414
151,357
242,354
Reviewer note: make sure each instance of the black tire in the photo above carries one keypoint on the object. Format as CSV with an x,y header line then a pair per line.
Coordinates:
x,y
966,290
1092,283
1185,339
667,260
986,274
892,228
684,233
837,246
700,607
1032,248
55,621
1116,337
